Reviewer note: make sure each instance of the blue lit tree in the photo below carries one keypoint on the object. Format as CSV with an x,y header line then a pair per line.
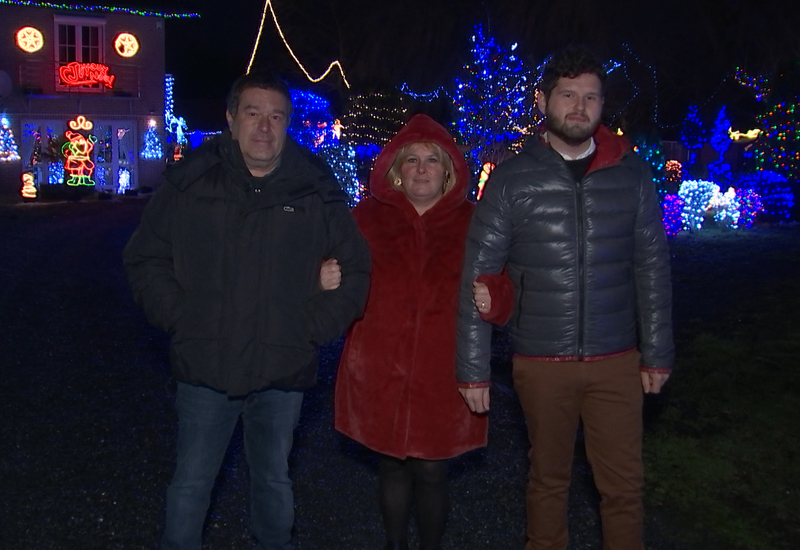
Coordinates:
x,y
152,144
719,170
493,98
693,137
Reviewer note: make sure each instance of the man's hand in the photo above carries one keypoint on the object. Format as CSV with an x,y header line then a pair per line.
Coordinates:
x,y
653,381
477,399
330,274
481,297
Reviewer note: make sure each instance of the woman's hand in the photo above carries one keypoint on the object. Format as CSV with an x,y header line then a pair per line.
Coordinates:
x,y
481,297
330,274
477,399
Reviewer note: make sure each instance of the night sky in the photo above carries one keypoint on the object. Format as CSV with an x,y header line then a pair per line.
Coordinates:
x,y
692,45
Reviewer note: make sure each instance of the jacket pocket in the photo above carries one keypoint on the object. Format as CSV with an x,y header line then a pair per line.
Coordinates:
x,y
200,318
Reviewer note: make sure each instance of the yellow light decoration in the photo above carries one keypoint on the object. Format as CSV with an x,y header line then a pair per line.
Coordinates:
x,y
739,136
126,44
28,190
30,39
80,123
620,132
268,5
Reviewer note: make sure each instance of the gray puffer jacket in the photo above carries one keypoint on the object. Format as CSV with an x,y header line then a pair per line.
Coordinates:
x,y
589,261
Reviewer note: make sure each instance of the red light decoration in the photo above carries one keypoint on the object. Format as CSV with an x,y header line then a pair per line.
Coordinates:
x,y
81,74
77,152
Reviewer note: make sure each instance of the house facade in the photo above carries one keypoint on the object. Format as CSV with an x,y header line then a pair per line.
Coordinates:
x,y
82,94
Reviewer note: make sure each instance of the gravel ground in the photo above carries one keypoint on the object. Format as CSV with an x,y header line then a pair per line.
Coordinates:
x,y
87,441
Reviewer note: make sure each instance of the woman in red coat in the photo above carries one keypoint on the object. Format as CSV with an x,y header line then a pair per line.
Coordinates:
x,y
396,388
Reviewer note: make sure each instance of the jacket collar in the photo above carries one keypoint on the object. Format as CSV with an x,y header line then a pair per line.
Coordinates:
x,y
610,147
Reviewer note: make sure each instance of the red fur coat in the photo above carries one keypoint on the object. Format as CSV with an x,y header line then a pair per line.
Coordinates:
x,y
396,388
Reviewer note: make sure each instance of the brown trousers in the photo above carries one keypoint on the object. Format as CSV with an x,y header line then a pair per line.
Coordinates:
x,y
607,395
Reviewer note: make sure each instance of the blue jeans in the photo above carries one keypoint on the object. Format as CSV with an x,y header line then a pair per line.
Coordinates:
x,y
206,420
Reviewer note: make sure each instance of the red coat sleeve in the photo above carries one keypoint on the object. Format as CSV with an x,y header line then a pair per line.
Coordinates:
x,y
501,289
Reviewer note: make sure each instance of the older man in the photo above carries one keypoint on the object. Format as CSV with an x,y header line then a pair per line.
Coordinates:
x,y
227,260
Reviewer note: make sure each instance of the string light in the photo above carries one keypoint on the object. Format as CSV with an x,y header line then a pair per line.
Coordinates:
x,y
268,5
110,9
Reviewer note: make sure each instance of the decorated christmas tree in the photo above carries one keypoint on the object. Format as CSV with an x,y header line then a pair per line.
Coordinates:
x,y
778,147
493,98
152,144
8,146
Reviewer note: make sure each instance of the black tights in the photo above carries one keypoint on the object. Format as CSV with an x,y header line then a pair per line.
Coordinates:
x,y
426,482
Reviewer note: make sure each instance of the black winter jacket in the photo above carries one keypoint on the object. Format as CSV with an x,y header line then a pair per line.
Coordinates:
x,y
233,274
589,261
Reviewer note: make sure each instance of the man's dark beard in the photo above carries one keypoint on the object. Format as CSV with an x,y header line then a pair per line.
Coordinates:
x,y
572,136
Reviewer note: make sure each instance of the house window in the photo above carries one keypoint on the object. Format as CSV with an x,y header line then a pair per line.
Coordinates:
x,y
79,40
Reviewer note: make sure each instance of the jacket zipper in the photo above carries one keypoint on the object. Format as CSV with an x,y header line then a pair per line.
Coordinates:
x,y
581,266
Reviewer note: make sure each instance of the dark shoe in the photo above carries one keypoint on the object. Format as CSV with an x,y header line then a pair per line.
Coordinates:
x,y
397,545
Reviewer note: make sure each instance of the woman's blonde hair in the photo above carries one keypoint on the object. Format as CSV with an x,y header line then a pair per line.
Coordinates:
x,y
393,175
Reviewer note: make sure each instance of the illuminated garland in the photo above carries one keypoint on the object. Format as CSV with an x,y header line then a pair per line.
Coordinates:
x,y
110,9
268,5
8,146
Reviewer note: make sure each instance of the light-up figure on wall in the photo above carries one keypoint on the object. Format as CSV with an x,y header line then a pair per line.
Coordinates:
x,y
77,152
28,190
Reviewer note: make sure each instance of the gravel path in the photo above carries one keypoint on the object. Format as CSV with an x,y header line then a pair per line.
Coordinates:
x,y
87,441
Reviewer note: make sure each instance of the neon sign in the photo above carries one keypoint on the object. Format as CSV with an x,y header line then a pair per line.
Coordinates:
x,y
126,44
77,153
30,39
81,74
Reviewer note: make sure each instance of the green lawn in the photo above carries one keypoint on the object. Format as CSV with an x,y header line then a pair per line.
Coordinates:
x,y
722,451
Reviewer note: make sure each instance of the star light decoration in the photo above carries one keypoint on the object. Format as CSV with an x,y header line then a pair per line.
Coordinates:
x,y
30,39
126,44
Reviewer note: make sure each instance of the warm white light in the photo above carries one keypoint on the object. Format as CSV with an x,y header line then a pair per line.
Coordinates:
x,y
126,44
30,39
268,5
